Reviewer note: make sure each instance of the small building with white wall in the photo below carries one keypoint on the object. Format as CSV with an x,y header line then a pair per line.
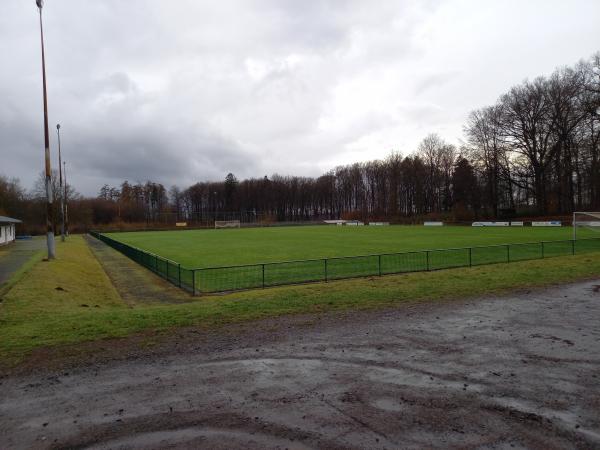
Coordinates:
x,y
7,229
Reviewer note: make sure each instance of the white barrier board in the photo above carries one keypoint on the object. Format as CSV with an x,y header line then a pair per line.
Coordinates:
x,y
490,224
433,224
378,224
516,224
550,223
588,223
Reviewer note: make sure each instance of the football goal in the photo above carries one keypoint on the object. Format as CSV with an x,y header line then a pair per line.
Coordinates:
x,y
227,224
589,220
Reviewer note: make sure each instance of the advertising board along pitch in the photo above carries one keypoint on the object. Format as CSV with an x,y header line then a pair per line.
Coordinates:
x,y
548,223
490,224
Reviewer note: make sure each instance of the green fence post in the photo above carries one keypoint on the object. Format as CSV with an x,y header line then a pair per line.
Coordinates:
x,y
572,246
542,249
193,282
379,264
470,257
325,261
427,254
263,276
168,271
179,273
507,253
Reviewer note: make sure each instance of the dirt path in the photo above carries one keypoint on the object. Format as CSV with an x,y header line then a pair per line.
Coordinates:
x,y
520,371
13,256
134,282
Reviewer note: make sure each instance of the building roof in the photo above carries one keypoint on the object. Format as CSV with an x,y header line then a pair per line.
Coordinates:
x,y
4,219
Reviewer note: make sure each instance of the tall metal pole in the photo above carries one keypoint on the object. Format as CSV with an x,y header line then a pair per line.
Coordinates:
x,y
49,227
62,199
66,200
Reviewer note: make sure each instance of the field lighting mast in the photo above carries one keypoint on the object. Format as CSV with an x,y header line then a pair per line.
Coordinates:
x,y
62,198
49,227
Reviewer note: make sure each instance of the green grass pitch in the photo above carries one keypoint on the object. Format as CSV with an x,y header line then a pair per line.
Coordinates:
x,y
226,247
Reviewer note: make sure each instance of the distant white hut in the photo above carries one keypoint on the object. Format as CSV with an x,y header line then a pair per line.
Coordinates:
x,y
7,229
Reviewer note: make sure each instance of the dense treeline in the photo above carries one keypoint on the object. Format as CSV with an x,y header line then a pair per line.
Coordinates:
x,y
30,207
535,152
539,145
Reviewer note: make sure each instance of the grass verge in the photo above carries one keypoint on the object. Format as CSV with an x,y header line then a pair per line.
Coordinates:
x,y
71,300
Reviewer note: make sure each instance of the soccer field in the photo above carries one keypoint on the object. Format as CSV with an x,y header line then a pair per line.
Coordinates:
x,y
225,247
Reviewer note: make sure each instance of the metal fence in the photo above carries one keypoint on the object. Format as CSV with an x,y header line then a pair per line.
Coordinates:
x,y
231,278
167,269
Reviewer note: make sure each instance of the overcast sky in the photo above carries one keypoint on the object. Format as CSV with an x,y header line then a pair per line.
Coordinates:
x,y
182,91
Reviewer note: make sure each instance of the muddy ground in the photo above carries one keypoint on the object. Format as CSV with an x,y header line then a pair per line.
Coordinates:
x,y
522,371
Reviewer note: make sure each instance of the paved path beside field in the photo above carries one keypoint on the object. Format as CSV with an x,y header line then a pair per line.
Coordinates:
x,y
518,371
134,283
15,255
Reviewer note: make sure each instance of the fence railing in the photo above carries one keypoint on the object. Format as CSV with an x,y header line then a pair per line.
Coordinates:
x,y
250,276
167,269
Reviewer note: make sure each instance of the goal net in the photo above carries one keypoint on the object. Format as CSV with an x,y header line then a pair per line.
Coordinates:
x,y
589,221
227,224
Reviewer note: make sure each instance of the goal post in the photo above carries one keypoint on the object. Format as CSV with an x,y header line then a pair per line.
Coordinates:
x,y
585,219
227,224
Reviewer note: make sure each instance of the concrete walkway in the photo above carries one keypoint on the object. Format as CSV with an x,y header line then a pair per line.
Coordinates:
x,y
14,256
135,283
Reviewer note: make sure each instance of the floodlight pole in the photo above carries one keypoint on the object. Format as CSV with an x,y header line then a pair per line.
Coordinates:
x,y
49,226
62,199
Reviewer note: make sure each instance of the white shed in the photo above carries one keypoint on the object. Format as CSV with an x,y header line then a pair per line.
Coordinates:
x,y
7,229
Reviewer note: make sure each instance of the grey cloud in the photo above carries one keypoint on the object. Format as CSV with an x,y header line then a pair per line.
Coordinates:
x,y
434,80
426,115
117,82
139,153
147,89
